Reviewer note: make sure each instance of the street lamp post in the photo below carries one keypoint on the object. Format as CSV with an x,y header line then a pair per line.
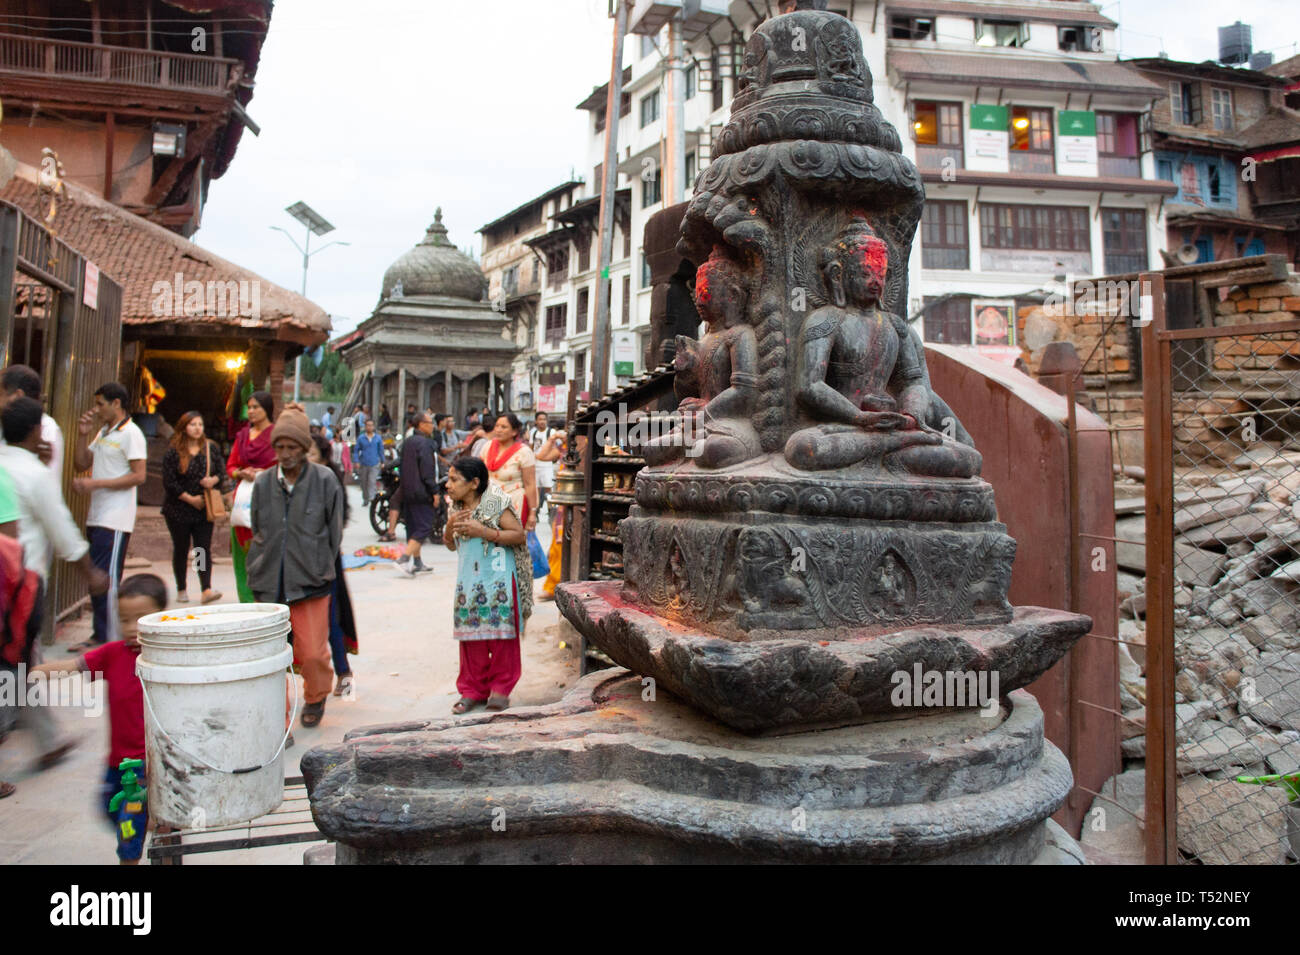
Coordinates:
x,y
316,225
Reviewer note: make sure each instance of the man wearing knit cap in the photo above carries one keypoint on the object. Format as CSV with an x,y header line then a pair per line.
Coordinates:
x,y
297,516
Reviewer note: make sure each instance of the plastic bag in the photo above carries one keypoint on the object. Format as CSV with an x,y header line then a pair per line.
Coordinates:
x,y
241,512
541,567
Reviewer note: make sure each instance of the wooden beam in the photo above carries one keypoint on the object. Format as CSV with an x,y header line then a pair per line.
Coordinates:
x,y
109,128
194,146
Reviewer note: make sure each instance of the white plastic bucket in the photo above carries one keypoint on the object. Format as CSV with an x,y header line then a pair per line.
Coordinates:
x,y
214,690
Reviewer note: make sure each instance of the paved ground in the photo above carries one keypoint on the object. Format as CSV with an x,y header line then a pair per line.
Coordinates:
x,y
406,668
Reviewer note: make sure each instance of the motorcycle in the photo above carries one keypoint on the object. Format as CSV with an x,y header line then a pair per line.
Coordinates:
x,y
385,496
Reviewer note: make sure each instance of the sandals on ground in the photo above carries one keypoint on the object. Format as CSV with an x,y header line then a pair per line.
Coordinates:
x,y
464,705
7,789
312,713
212,596
497,702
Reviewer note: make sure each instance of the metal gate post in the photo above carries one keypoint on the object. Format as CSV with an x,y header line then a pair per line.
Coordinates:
x,y
1157,405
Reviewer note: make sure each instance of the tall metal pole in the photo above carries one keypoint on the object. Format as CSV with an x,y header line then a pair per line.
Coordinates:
x,y
297,362
614,96
675,180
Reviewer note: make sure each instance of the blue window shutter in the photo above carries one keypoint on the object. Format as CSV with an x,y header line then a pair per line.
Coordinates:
x,y
1206,248
1256,247
1227,184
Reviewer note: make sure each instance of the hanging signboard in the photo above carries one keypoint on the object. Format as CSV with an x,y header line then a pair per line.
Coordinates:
x,y
90,287
1076,143
988,142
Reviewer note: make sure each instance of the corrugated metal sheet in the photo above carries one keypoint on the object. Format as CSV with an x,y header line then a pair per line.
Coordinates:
x,y
80,355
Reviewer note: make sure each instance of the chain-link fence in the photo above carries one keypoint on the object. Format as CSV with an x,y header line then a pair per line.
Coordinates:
x,y
1230,456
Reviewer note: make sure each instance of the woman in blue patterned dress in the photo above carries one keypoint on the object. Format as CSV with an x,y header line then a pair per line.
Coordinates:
x,y
492,599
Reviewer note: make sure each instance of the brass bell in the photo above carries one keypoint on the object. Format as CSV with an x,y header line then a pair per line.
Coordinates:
x,y
570,486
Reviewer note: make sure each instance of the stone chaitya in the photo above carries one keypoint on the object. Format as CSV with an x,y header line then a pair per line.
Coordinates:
x,y
813,526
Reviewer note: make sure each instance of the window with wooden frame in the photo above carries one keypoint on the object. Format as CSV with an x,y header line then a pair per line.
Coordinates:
x,y
557,267
911,28
1049,228
627,299
1117,144
580,315
1221,108
1001,32
1031,139
584,253
1185,103
551,373
649,108
557,320
945,236
652,189
715,80
692,81
580,369
937,129
947,320
1124,240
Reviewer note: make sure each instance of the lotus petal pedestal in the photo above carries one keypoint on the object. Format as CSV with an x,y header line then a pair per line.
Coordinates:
x,y
607,775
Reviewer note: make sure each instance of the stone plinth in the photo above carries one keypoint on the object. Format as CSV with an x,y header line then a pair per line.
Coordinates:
x,y
775,679
609,776
762,545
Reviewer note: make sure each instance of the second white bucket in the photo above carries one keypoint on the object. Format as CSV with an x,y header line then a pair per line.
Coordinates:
x,y
214,688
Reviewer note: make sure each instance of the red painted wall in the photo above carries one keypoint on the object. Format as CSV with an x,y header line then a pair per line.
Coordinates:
x,y
1020,428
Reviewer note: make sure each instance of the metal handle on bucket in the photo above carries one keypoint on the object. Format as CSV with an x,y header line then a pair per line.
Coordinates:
x,y
203,762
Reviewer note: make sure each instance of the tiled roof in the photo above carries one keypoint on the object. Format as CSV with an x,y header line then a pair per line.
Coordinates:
x,y
1278,127
1014,71
137,253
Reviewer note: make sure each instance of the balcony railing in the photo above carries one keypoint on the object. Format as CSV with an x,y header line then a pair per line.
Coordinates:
x,y
97,63
1127,167
1032,162
931,158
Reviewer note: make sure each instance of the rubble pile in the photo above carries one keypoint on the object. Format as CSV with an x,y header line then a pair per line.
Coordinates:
x,y
1236,648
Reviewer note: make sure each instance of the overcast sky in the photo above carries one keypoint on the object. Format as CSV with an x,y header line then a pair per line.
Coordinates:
x,y
376,114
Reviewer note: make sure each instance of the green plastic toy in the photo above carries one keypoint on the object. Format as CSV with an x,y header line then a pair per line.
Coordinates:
x,y
1290,782
132,791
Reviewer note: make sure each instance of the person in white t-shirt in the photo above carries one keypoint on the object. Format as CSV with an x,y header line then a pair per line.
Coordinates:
x,y
20,381
115,457
540,435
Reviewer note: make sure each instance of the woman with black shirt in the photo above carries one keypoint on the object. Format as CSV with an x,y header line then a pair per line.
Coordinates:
x,y
187,470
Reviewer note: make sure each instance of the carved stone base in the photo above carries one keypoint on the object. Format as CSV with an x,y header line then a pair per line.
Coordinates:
x,y
762,545
609,776
778,680
737,573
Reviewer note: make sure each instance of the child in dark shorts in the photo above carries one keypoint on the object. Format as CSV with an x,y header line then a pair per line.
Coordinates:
x,y
114,661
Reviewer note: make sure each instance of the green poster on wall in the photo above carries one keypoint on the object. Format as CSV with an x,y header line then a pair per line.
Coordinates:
x,y
988,117
1077,122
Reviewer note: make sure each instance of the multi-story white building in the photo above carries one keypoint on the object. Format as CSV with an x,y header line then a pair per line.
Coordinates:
x,y
1030,135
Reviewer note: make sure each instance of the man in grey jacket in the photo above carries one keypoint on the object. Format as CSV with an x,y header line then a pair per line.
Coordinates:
x,y
297,516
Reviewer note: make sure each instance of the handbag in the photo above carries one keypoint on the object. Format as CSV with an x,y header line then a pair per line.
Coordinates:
x,y
541,566
213,505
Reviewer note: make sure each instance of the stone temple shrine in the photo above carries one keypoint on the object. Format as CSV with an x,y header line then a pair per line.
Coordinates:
x,y
433,339
814,528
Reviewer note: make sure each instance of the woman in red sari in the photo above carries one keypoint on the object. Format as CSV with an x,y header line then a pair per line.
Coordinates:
x,y
251,455
513,468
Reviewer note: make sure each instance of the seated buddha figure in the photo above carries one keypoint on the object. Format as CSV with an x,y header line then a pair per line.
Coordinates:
x,y
716,430
861,377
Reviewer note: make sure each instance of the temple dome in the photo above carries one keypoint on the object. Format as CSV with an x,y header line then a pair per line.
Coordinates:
x,y
435,267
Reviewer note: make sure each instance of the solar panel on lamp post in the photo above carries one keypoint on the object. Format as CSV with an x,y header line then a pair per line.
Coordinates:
x,y
318,225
